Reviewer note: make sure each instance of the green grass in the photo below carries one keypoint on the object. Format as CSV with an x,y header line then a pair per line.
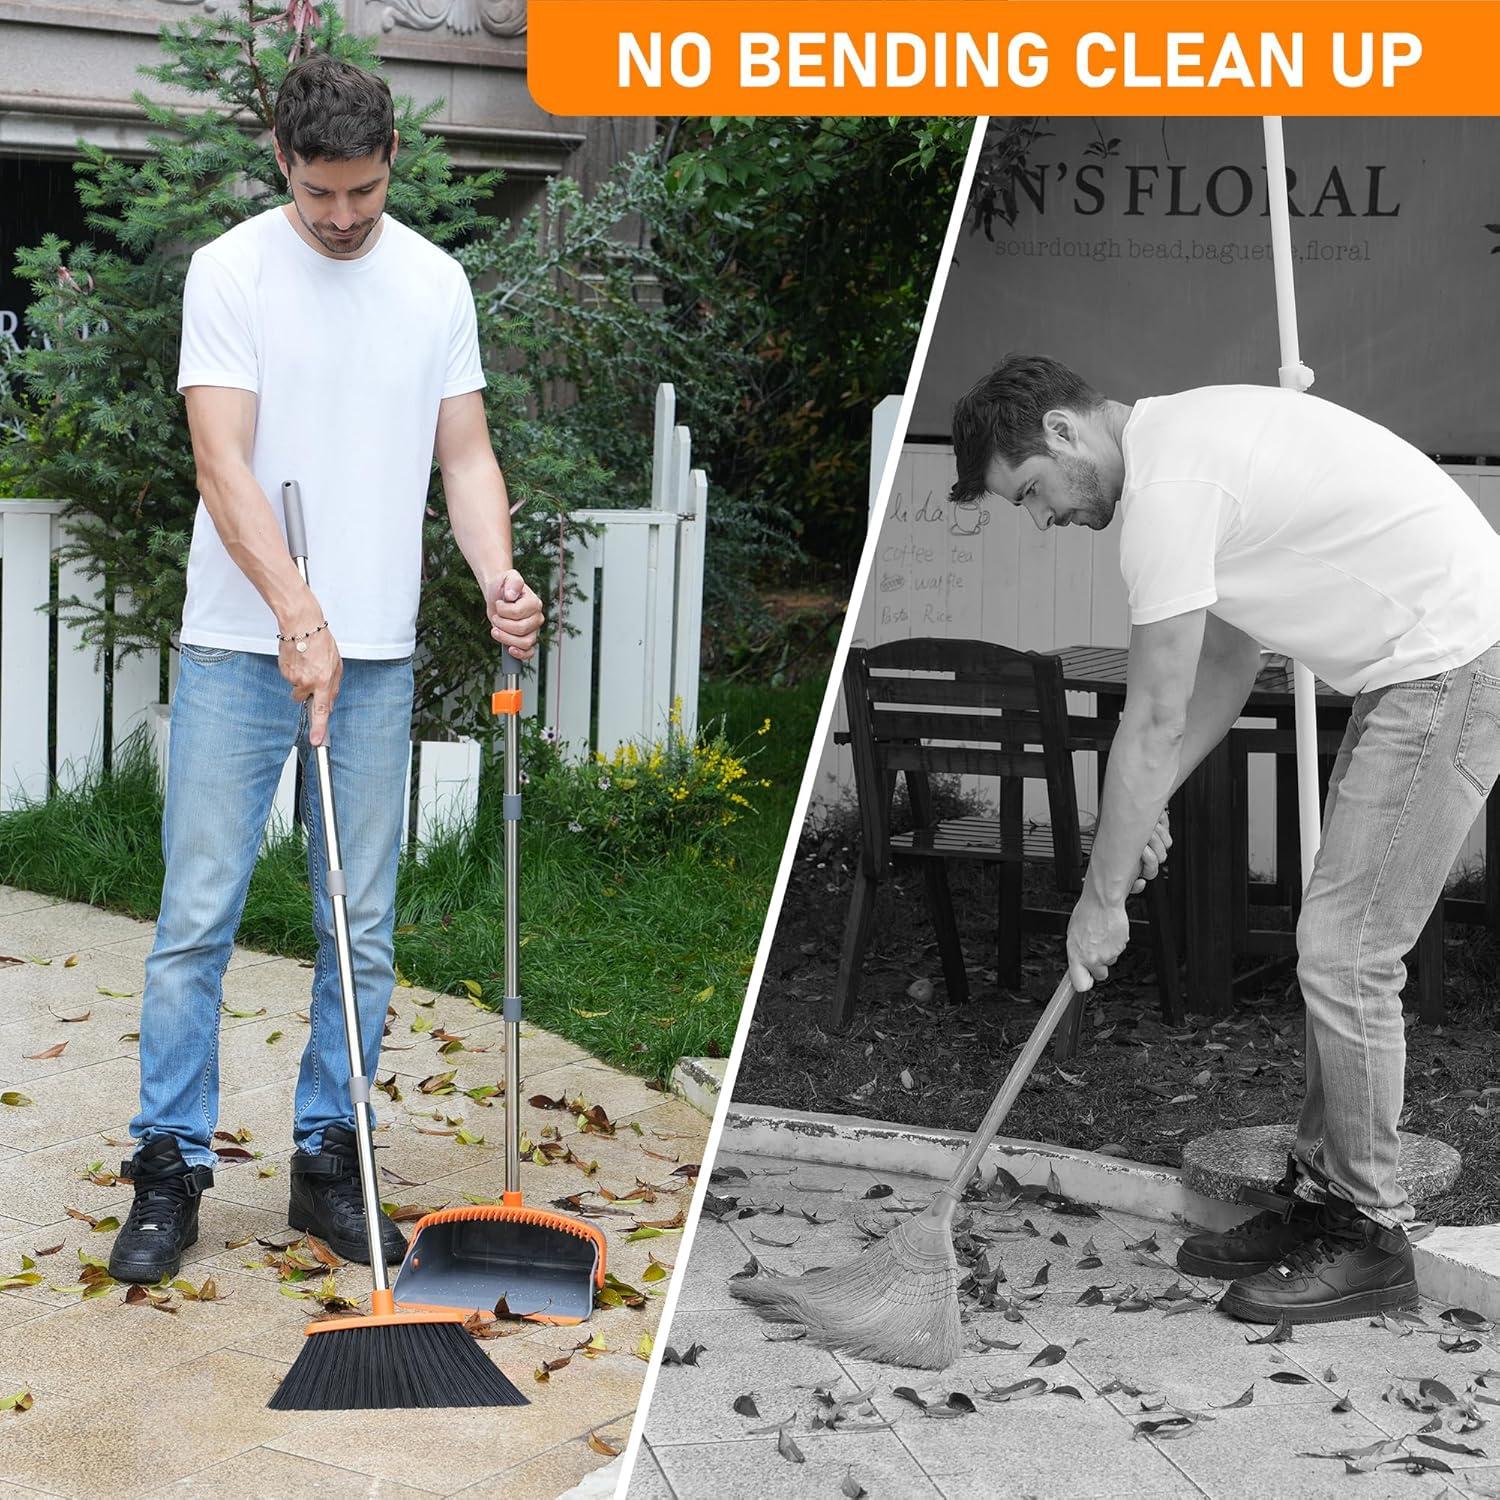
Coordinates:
x,y
640,963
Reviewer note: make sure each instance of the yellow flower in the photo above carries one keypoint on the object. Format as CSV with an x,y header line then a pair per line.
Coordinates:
x,y
765,728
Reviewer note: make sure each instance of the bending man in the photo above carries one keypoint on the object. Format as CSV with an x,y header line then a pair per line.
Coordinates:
x,y
1255,518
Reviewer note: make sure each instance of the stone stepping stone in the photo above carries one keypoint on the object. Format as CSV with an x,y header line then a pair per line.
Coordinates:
x,y
1219,1165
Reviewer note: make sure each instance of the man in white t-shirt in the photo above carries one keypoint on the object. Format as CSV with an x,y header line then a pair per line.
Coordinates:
x,y
326,343
1256,518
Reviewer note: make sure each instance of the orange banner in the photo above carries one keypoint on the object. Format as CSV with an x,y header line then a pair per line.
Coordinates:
x,y
1015,57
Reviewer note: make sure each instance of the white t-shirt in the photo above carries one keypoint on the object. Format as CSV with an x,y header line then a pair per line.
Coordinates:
x,y
349,361
1316,532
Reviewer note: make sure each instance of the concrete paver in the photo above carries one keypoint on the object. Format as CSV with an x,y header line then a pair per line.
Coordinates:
x,y
130,1401
1050,1445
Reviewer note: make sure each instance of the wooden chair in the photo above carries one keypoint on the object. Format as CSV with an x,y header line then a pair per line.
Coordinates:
x,y
928,707
1426,957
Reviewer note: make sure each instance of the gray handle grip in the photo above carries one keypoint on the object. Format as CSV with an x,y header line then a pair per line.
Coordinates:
x,y
291,505
508,664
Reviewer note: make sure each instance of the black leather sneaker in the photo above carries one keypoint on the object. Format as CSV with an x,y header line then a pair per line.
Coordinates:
x,y
1284,1222
1351,1267
326,1200
163,1220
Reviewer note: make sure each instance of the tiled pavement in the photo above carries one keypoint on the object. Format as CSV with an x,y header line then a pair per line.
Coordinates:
x,y
1048,1446
129,1402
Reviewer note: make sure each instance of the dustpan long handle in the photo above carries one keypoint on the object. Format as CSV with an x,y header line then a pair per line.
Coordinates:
x,y
359,1084
1015,1081
509,702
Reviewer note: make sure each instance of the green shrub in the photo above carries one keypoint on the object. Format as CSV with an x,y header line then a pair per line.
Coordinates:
x,y
669,794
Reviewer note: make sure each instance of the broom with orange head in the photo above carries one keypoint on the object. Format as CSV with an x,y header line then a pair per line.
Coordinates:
x,y
507,1257
406,1357
898,1303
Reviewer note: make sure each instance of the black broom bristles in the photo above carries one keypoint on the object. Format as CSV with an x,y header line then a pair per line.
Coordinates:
x,y
396,1365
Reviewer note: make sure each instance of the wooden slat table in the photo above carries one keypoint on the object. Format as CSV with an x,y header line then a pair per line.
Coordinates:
x,y
1210,854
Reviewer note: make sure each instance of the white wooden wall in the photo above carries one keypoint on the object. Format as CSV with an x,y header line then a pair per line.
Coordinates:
x,y
648,565
989,574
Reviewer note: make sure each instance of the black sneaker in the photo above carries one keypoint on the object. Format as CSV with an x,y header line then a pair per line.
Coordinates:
x,y
1351,1267
326,1200
163,1220
1256,1245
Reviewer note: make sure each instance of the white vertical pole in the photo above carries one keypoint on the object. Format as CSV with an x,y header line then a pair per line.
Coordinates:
x,y
1294,376
882,440
25,568
661,447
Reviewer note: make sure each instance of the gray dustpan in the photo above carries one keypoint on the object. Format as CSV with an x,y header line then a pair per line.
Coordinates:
x,y
543,1265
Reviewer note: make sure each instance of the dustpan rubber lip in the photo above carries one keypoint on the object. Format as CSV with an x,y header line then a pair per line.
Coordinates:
x,y
518,1213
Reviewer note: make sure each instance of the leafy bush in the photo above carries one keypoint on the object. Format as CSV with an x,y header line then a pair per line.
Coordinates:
x,y
673,793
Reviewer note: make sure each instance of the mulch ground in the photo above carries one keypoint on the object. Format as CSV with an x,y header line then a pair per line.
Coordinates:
x,y
1136,1088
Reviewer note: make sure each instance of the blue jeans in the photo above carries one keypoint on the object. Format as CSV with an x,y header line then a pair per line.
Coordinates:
x,y
233,725
1412,774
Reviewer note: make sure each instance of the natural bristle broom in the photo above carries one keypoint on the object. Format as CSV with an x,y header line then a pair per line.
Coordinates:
x,y
898,1303
390,1359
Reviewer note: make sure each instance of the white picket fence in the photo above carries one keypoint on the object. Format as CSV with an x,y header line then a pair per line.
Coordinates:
x,y
633,604
987,573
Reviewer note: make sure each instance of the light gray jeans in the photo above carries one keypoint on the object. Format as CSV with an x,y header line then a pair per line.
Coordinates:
x,y
1417,762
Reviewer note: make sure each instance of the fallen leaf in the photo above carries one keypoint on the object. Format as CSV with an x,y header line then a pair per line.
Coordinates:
x,y
1239,1401
1450,1447
1288,1377
14,1099
788,1449
746,1407
51,1052
1034,1386
1051,1355
1280,1334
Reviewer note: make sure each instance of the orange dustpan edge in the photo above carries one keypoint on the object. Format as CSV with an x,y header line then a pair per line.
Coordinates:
x,y
518,1212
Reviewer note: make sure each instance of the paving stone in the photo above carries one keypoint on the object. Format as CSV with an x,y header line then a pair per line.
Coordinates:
x,y
35,1186
13,900
1255,1451
83,1359
693,1403
60,1106
1366,1361
1042,1446
450,1450
218,1221
91,1348
1197,1359
260,1472
647,1482
546,1476
86,1043
56,931
540,1052
217,1402
717,1254
754,1470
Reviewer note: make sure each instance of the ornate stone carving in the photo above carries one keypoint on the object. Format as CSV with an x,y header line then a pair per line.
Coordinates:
x,y
464,17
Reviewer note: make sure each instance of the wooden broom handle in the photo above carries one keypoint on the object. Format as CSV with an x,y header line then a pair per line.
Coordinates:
x,y
1015,1081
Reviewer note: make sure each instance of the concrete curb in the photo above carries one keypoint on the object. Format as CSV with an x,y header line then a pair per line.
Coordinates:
x,y
1459,1267
699,1081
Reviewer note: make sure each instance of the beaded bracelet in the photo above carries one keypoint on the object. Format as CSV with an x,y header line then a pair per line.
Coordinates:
x,y
300,641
